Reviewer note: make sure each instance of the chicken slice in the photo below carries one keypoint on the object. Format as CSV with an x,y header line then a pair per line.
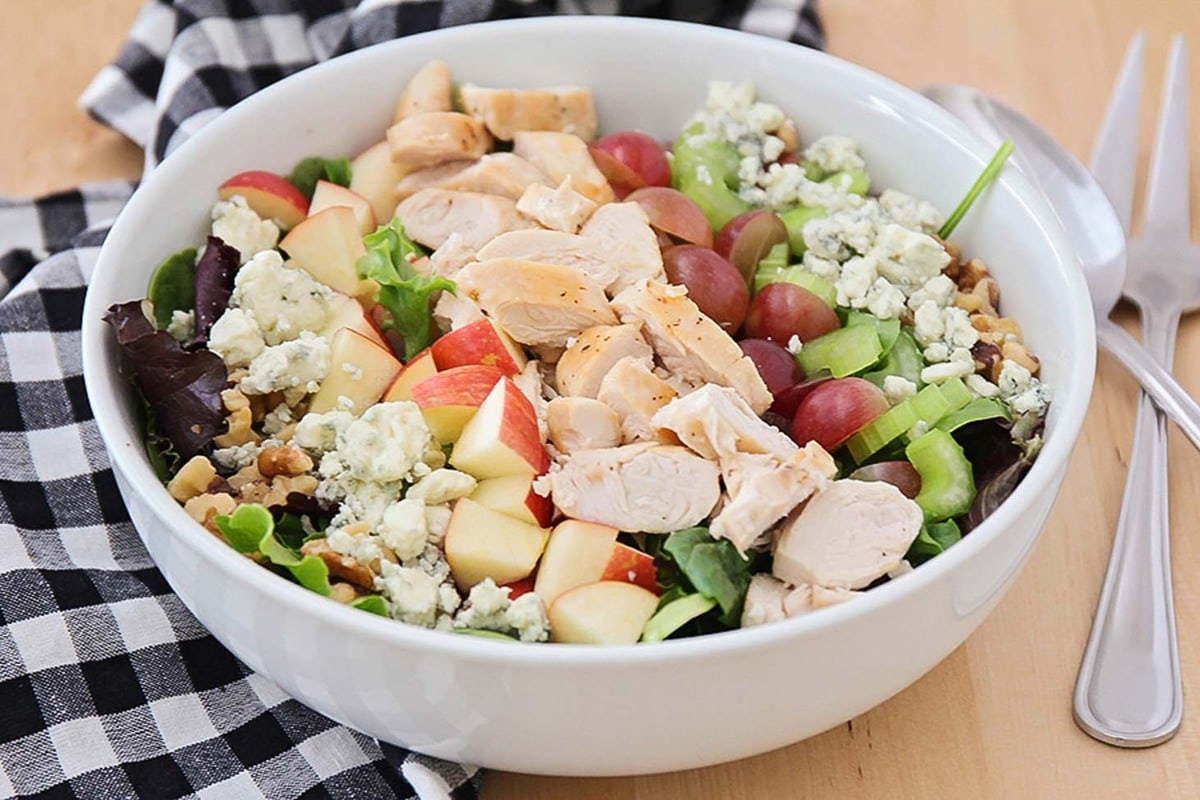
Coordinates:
x,y
535,304
691,346
429,90
504,174
564,155
769,600
554,247
636,394
848,535
454,311
451,256
431,215
716,422
581,369
436,137
581,423
637,487
623,233
505,111
560,209
822,596
764,489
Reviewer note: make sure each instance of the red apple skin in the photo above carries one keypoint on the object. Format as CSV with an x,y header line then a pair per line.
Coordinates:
x,y
632,566
506,419
476,343
290,205
465,385
518,588
418,368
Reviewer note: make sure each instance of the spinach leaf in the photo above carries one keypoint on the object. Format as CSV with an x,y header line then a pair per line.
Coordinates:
x,y
403,292
314,168
713,567
173,286
935,538
182,389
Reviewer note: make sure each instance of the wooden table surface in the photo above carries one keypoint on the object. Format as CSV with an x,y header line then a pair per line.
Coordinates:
x,y
994,719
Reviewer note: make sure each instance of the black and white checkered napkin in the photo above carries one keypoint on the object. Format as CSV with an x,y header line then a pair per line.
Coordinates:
x,y
109,688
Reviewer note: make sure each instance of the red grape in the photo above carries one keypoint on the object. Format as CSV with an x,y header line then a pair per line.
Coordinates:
x,y
835,410
776,366
900,474
622,178
639,152
783,310
712,283
673,212
746,239
787,401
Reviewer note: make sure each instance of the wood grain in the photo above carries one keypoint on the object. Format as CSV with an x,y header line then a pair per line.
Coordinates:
x,y
993,721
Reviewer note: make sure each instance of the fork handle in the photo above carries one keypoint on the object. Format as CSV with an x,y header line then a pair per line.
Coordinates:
x,y
1128,692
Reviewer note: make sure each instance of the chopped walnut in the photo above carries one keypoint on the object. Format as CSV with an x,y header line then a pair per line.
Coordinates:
x,y
192,479
281,486
244,476
969,274
340,566
980,300
1015,351
240,418
204,507
1003,328
283,460
987,359
788,135
344,593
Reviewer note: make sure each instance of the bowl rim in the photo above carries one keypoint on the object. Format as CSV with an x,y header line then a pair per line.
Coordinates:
x,y
104,386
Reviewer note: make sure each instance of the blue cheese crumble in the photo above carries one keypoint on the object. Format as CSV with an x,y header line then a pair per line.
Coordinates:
x,y
489,608
237,225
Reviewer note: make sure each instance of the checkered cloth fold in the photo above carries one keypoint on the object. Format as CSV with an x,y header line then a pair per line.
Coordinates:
x,y
109,688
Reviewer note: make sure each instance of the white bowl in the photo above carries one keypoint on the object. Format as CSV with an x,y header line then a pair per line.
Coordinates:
x,y
574,710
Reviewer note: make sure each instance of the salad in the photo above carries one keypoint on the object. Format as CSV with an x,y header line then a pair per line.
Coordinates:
x,y
497,376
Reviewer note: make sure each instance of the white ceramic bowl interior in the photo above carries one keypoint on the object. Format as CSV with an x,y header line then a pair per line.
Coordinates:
x,y
576,710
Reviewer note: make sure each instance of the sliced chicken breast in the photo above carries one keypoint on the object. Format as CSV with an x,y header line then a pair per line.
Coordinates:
x,y
568,109
581,369
454,311
691,346
555,247
581,423
623,233
717,423
763,489
431,215
429,90
638,487
435,137
451,256
559,209
848,535
563,155
636,394
504,174
535,304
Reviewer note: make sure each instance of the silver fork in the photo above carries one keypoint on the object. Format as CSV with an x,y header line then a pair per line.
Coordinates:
x,y
1128,692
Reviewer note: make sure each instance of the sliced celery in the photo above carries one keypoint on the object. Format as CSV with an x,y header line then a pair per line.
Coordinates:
x,y
843,352
775,260
888,329
675,614
718,202
947,483
903,359
881,431
957,394
801,277
978,410
852,181
794,220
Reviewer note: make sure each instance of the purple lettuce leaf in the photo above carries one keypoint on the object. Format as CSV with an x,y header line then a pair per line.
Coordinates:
x,y
214,284
998,464
182,388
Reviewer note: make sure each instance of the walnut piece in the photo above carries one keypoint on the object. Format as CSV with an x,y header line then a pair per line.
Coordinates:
x,y
283,460
204,507
340,566
192,479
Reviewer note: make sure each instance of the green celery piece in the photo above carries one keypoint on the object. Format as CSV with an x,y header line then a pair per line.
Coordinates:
x,y
989,174
854,181
713,567
934,539
718,202
403,291
843,352
484,634
371,603
903,359
802,278
173,286
812,171
956,393
245,528
719,159
675,614
930,404
978,410
947,482
888,329
794,220
776,259
881,431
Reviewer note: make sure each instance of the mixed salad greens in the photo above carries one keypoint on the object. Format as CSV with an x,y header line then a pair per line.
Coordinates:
x,y
524,383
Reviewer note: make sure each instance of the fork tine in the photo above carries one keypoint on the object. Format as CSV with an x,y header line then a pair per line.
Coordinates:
x,y
1114,156
1167,213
